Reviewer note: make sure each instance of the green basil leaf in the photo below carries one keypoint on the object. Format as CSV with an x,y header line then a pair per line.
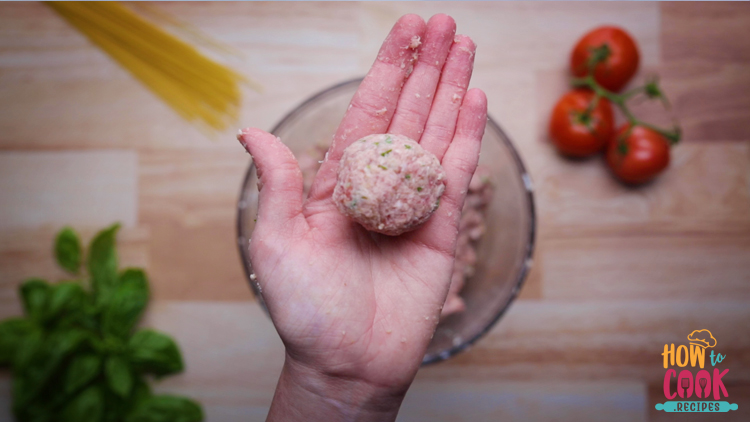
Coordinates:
x,y
36,412
68,250
82,369
13,331
29,349
117,407
66,297
166,408
55,350
87,406
39,362
155,353
86,316
28,371
113,411
64,342
24,390
27,409
141,391
35,294
126,304
118,374
102,262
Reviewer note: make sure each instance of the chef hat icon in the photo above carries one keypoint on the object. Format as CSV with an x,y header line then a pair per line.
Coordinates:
x,y
702,338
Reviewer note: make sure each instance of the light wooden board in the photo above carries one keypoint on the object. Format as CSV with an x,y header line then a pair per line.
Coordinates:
x,y
618,272
68,187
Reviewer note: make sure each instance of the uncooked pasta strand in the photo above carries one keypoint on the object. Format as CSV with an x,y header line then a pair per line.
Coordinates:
x,y
139,38
197,88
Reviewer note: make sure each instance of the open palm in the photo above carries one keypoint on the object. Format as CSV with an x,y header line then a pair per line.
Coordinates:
x,y
346,301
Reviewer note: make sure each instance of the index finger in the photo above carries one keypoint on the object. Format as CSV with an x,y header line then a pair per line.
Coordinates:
x,y
373,104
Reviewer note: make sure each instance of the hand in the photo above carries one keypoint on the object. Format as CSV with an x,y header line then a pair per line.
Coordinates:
x,y
355,309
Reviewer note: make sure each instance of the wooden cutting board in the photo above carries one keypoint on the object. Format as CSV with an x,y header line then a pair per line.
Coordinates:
x,y
618,272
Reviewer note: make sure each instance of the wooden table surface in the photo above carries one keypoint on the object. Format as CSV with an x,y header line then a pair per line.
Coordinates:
x,y
617,273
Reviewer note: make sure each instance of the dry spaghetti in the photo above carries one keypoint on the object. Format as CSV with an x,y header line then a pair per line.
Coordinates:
x,y
196,87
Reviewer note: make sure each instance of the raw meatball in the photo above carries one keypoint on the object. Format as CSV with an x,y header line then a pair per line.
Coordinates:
x,y
388,183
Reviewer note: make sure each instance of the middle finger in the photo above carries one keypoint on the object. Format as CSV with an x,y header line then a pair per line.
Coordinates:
x,y
371,108
419,90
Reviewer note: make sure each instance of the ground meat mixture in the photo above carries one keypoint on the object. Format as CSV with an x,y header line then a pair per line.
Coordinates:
x,y
388,183
471,228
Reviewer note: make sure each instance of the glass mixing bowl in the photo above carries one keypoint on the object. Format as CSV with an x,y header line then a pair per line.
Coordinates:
x,y
503,253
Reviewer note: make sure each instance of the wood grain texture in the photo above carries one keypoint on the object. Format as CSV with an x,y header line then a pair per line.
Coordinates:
x,y
710,98
55,78
572,401
707,68
597,340
696,267
56,188
617,273
189,198
702,31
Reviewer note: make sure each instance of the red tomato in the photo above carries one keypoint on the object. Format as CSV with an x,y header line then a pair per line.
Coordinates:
x,y
574,134
640,156
621,64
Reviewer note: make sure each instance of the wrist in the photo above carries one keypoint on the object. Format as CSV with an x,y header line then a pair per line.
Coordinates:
x,y
304,393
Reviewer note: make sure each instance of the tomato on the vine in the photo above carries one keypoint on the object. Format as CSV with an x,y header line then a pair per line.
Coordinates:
x,y
621,61
637,155
577,133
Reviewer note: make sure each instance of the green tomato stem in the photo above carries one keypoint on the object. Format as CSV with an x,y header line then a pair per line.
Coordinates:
x,y
620,100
